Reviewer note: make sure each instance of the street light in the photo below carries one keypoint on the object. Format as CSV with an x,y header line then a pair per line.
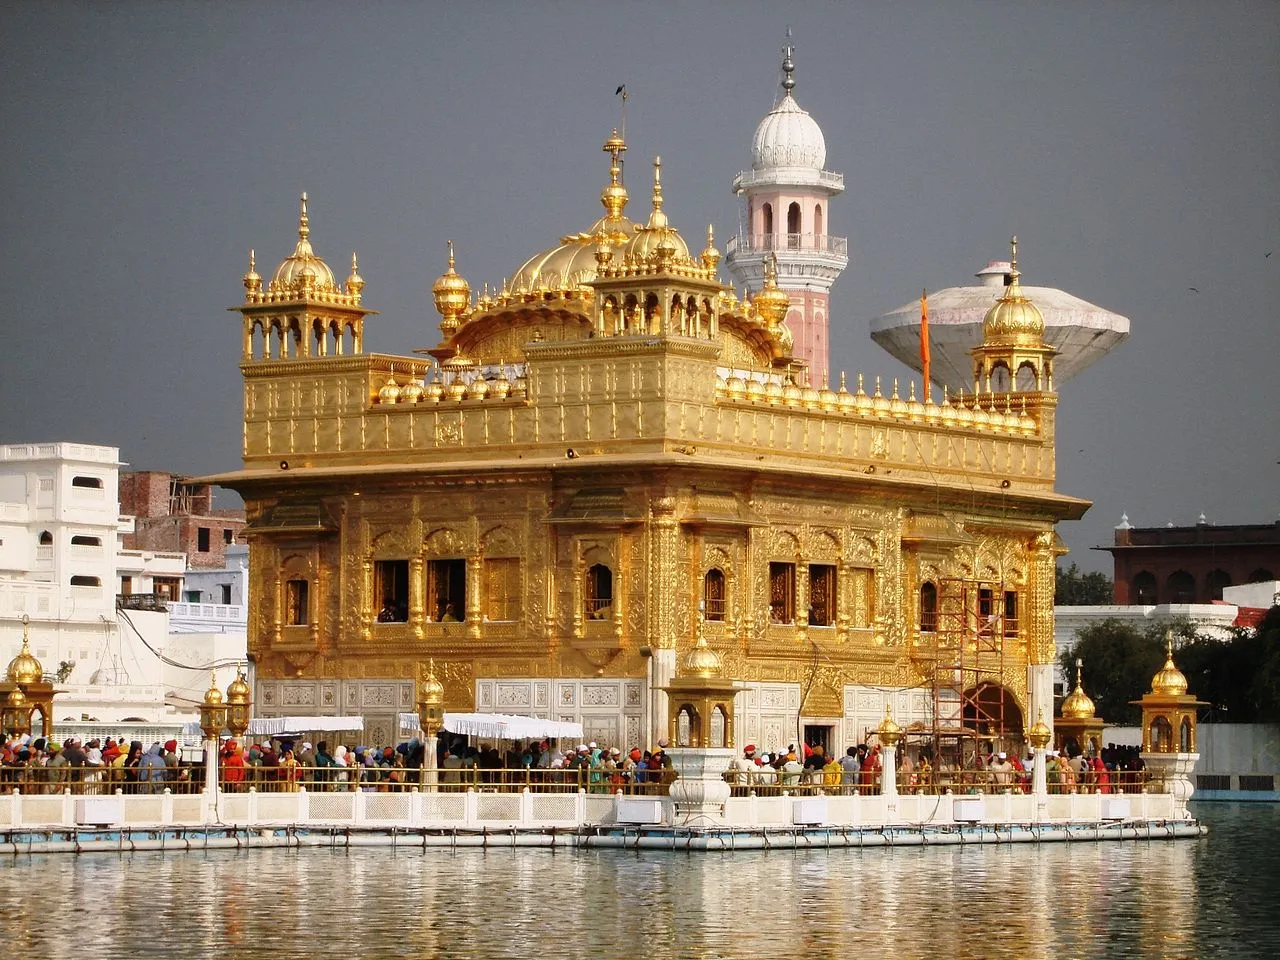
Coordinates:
x,y
239,703
213,717
430,716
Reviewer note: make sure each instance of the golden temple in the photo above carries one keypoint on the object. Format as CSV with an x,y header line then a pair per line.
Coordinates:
x,y
613,455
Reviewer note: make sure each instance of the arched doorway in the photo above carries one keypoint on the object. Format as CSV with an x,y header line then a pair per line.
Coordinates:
x,y
992,714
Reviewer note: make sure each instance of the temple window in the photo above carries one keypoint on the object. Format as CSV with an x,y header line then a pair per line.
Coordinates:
x,y
1144,588
713,594
822,595
447,590
767,216
718,727
502,588
928,608
391,590
1161,736
1010,613
986,611
296,594
1181,587
782,593
817,219
82,540
599,598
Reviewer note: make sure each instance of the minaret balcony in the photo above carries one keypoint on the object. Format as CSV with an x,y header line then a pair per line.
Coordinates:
x,y
745,245
823,180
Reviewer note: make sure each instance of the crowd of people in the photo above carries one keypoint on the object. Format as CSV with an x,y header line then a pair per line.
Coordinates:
x,y
43,765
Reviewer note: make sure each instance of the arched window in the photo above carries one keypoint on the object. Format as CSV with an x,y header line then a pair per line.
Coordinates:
x,y
599,592
1184,736
817,219
766,212
1000,379
928,608
46,538
1216,581
1161,736
297,609
1144,588
1027,380
686,726
1180,587
719,723
713,594
793,226
1261,575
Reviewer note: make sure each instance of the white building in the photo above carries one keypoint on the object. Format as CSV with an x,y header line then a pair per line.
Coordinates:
x,y
62,566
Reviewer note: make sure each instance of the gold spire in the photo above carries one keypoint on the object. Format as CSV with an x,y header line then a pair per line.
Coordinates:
x,y
1077,705
452,295
710,256
614,196
252,282
1013,319
304,224
355,282
302,272
1169,681
657,219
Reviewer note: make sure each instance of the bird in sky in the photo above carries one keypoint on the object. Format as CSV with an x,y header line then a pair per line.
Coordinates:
x,y
1193,289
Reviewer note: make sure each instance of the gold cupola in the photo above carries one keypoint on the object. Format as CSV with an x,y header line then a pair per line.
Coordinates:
x,y
252,281
453,297
1013,320
771,303
1077,705
657,238
355,282
710,255
702,661
1169,681
25,668
302,271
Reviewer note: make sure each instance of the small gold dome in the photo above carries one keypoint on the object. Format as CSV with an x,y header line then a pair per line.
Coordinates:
x,y
238,691
771,303
889,731
213,696
1013,319
412,391
710,255
657,237
252,282
1039,735
702,661
1169,681
1077,705
25,668
452,293
430,690
303,269
355,282
390,392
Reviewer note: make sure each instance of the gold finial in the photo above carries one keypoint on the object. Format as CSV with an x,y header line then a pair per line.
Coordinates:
x,y
252,282
355,282
658,219
452,296
614,196
1013,258
710,256
1039,735
304,224
788,65
843,389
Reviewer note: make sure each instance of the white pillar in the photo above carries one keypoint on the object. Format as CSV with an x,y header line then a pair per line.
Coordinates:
x,y
889,781
430,777
1040,783
211,779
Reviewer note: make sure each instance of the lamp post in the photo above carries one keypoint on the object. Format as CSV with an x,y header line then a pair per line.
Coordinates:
x,y
1040,735
17,715
890,734
213,717
239,704
430,716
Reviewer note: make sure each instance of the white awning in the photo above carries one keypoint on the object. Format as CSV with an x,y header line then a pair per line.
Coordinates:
x,y
505,726
273,726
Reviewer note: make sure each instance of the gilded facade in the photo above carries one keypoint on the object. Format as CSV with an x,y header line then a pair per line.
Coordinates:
x,y
607,456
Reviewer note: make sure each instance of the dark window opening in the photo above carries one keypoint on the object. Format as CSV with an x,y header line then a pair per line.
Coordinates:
x,y
83,540
228,535
1181,587
193,596
713,594
391,588
1217,581
202,539
46,538
297,593
599,592
1010,613
91,483
822,595
226,592
928,608
1144,588
82,581
166,588
447,590
782,593
1261,575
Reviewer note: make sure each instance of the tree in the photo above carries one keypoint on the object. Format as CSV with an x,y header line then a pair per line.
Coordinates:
x,y
64,670
1075,589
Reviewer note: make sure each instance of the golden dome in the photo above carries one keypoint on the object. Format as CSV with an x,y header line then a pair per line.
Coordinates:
x,y
771,303
702,661
252,282
213,696
452,294
1013,319
710,256
573,262
889,731
238,691
657,237
1039,734
1169,681
25,668
1077,705
303,270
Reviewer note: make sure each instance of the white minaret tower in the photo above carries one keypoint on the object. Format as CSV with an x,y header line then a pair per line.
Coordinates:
x,y
785,197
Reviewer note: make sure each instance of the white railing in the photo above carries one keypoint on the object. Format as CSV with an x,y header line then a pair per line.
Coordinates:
x,y
788,243
217,612
477,810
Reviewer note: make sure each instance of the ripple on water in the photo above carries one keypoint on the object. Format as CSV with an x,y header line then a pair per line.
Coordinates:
x,y
1209,898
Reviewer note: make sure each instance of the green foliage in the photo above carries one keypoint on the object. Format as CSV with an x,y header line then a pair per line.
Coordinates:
x,y
1075,589
1238,678
64,670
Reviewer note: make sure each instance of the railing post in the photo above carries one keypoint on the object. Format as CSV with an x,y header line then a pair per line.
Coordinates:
x,y
15,807
252,815
166,807
68,808
470,807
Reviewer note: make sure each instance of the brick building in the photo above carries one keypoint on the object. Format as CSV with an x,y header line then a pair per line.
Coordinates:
x,y
177,514
1193,564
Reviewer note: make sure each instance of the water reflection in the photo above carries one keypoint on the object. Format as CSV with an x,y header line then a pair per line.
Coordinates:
x,y
1161,899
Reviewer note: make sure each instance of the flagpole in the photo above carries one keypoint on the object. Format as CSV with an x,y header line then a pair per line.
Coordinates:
x,y
924,344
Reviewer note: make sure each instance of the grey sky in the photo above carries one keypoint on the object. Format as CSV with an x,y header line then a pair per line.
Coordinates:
x,y
1133,147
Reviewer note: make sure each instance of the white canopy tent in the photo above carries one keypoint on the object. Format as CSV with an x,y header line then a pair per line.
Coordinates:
x,y
274,726
505,726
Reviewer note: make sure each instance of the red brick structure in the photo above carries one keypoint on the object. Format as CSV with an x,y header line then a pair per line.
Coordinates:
x,y
177,515
1191,564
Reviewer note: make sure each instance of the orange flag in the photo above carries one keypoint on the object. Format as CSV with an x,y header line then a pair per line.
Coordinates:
x,y
924,340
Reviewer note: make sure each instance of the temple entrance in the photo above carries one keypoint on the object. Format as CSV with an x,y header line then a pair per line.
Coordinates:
x,y
994,718
819,735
